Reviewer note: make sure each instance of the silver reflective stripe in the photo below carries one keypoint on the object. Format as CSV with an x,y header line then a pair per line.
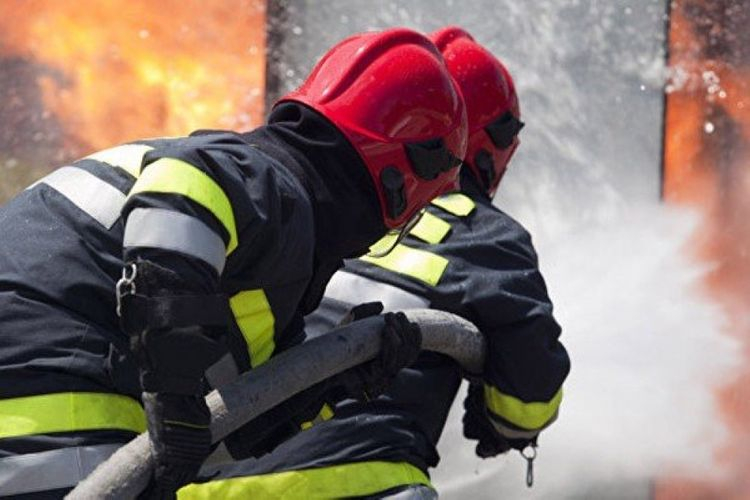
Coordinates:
x,y
354,289
414,492
99,199
519,433
222,372
159,228
50,470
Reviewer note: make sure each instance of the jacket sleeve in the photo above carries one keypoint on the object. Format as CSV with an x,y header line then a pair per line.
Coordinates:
x,y
526,364
189,205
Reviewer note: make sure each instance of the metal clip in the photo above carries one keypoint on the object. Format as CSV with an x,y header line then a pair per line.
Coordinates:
x,y
529,457
125,285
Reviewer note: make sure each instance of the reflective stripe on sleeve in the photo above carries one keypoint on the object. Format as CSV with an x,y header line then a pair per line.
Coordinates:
x,y
419,264
337,481
69,411
457,204
355,289
50,470
169,175
169,230
512,433
530,416
97,198
431,229
127,157
254,317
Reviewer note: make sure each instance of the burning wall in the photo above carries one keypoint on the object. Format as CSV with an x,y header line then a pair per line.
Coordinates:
x,y
707,155
76,77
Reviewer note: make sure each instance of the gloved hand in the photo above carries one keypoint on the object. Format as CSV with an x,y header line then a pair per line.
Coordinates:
x,y
180,438
400,345
175,334
477,425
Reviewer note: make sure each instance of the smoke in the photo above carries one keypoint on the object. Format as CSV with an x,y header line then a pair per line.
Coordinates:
x,y
648,353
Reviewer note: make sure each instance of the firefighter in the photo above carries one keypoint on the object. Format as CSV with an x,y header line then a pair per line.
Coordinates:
x,y
466,257
133,279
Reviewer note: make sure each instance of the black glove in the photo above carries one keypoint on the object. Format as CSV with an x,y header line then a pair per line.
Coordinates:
x,y
477,426
175,334
400,345
361,311
180,440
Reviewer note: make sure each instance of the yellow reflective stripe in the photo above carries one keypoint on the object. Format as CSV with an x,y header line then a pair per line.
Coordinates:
x,y
528,416
430,229
169,175
455,203
253,315
419,264
69,411
127,157
338,481
325,413
384,244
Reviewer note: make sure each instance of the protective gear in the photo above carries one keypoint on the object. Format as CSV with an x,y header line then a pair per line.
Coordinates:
x,y
361,311
176,336
491,105
180,440
477,426
401,342
410,128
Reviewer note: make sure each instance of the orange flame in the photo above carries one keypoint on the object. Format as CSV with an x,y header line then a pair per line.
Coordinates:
x,y
707,155
125,69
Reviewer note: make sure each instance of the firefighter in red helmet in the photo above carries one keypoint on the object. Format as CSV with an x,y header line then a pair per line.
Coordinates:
x,y
466,257
210,249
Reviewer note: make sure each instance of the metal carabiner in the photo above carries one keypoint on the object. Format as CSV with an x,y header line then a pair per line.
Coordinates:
x,y
125,285
529,457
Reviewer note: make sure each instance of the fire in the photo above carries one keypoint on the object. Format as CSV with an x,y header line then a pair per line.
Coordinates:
x,y
706,158
113,71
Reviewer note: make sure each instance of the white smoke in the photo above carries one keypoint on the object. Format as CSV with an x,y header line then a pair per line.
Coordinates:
x,y
647,351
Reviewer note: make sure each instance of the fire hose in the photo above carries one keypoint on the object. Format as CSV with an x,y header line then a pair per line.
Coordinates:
x,y
127,472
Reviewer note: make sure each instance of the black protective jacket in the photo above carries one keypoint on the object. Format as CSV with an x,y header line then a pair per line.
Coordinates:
x,y
466,257
264,218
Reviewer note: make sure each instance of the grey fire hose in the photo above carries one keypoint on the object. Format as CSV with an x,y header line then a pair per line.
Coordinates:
x,y
128,471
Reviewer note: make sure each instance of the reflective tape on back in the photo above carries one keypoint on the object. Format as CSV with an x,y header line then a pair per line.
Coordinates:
x,y
69,411
172,176
457,204
175,231
355,289
336,481
94,196
431,229
530,416
254,317
51,470
127,157
419,264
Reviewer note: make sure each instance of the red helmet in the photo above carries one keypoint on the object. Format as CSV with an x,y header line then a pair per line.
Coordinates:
x,y
393,98
491,104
